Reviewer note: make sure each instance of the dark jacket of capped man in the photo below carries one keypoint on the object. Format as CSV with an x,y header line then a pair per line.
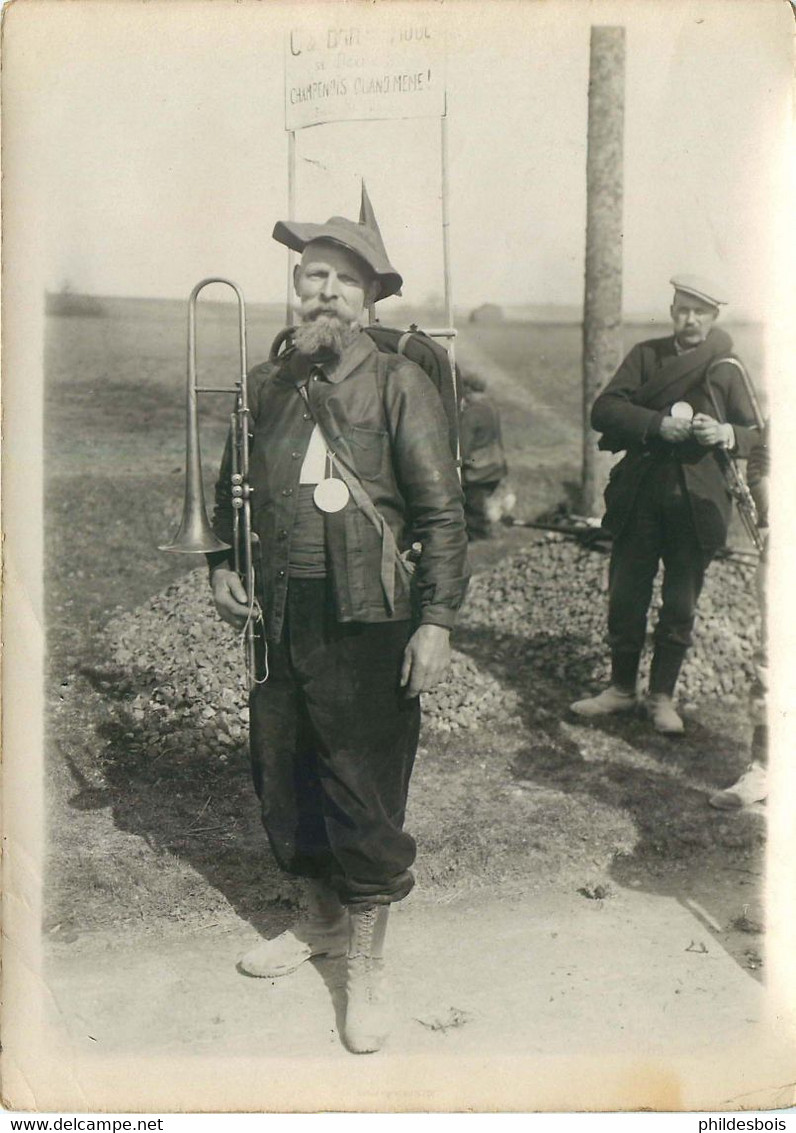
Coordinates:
x,y
629,412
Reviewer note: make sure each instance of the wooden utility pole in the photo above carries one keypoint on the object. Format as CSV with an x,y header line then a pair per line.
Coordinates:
x,y
602,308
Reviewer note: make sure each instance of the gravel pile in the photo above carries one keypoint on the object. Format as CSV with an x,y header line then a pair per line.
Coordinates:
x,y
466,697
548,604
187,666
551,602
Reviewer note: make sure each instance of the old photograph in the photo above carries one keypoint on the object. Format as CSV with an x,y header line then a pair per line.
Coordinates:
x,y
397,681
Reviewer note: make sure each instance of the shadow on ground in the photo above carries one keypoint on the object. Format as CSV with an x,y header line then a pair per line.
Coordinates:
x,y
187,796
534,800
711,861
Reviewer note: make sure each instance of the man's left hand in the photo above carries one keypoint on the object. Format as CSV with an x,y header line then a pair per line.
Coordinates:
x,y
426,659
708,431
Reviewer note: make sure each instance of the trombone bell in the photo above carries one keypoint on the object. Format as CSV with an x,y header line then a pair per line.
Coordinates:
x,y
195,536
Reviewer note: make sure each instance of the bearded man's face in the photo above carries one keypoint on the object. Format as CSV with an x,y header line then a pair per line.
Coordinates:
x,y
334,288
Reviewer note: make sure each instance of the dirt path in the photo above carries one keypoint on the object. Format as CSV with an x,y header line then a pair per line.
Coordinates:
x,y
516,397
505,387
637,978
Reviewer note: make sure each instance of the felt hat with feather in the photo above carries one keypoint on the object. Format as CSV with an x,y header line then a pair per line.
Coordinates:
x,y
363,238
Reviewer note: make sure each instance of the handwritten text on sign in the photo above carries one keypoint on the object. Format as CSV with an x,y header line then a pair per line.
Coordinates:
x,y
361,71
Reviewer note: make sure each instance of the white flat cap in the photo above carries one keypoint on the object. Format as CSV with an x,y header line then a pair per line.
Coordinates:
x,y
697,285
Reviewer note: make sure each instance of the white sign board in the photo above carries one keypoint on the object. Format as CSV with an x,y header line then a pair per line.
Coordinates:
x,y
368,69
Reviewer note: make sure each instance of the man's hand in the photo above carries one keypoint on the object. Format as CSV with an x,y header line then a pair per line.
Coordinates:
x,y
675,430
708,431
229,597
426,659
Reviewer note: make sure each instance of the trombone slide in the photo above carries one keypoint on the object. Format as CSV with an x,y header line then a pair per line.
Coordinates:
x,y
195,534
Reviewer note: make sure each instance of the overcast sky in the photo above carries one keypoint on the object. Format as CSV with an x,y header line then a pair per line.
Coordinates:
x,y
154,138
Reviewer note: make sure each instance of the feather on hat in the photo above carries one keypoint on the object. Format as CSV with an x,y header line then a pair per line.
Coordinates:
x,y
363,238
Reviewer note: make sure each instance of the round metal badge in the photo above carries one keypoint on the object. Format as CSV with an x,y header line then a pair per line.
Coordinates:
x,y
330,495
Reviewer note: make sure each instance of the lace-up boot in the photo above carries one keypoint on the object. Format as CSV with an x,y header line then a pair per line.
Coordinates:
x,y
323,932
367,1019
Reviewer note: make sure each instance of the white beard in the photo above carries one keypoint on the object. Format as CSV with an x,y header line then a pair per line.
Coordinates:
x,y
324,333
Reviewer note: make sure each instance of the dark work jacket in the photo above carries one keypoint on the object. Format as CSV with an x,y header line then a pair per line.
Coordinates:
x,y
627,425
383,417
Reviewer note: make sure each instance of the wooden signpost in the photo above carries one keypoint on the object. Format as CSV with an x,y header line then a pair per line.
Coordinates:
x,y
377,67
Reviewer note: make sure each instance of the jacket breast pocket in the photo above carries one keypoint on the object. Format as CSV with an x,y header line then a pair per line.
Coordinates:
x,y
369,450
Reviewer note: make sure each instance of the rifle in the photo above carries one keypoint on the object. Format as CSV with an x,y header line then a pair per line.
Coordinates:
x,y
585,534
598,539
736,484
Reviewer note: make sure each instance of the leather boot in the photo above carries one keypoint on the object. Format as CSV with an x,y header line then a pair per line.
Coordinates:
x,y
662,713
323,932
667,660
367,1016
610,701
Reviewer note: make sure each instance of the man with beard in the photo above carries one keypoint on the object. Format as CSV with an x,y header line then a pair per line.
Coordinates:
x,y
350,465
672,406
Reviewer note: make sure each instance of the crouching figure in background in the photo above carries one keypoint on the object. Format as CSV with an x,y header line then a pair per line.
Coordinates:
x,y
484,464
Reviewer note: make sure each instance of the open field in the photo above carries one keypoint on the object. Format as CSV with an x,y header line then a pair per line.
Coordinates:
x,y
155,846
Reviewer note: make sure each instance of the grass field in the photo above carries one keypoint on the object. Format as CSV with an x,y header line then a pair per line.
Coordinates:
x,y
114,443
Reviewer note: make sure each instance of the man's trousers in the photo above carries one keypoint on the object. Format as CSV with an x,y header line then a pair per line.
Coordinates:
x,y
333,742
660,529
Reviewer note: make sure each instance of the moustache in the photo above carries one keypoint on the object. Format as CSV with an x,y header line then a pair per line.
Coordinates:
x,y
327,313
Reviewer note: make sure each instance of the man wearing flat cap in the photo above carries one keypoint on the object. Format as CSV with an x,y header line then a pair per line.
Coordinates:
x,y
672,405
350,466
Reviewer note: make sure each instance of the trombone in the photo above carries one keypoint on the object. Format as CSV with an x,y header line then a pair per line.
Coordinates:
x,y
195,536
